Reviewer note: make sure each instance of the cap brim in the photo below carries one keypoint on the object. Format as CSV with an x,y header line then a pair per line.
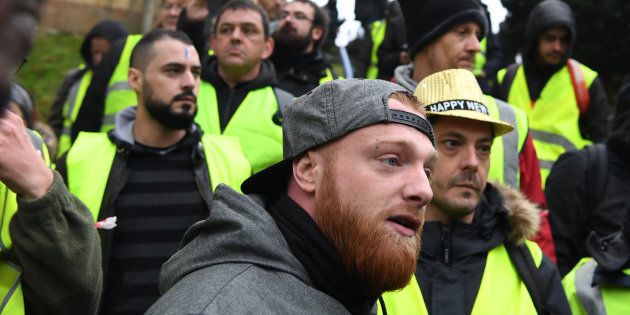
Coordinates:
x,y
499,127
272,181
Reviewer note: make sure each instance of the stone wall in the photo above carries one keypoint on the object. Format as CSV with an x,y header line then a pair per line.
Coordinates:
x,y
78,16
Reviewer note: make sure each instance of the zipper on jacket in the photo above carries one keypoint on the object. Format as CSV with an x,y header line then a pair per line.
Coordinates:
x,y
446,245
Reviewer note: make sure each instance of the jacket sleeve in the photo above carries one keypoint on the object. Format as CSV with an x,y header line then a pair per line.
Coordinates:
x,y
556,300
57,245
595,124
567,214
90,116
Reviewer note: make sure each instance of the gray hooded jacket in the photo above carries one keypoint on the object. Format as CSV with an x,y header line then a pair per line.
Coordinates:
x,y
238,262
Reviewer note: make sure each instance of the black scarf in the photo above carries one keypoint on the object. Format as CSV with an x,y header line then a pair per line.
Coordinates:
x,y
318,256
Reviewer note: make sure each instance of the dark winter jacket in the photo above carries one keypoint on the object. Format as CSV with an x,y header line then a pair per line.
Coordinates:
x,y
453,256
300,74
569,194
394,42
109,30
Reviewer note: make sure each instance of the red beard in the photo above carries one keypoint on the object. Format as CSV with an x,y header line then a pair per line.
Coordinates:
x,y
379,259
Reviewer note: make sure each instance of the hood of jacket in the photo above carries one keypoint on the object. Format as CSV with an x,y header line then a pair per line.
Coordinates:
x,y
238,230
125,120
403,75
109,30
544,15
267,75
502,213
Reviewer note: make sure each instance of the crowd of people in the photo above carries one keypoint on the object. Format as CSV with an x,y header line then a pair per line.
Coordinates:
x,y
220,164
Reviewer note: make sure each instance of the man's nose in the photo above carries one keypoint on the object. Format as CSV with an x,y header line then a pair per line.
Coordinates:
x,y
470,160
417,188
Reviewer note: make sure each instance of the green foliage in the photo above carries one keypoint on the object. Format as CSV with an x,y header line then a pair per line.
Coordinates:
x,y
52,56
602,34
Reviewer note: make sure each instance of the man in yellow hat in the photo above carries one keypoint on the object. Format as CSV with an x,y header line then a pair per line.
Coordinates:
x,y
475,233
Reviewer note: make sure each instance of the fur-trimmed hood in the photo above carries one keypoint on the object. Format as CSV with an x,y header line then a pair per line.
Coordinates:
x,y
523,215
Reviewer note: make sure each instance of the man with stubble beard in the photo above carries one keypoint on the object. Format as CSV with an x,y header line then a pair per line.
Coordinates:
x,y
328,229
475,231
297,56
153,175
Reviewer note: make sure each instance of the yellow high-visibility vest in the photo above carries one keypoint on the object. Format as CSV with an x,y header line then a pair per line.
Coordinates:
x,y
252,124
71,109
377,31
90,160
120,95
554,118
504,156
501,291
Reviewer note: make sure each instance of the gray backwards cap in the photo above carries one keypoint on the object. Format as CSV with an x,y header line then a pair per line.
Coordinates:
x,y
328,112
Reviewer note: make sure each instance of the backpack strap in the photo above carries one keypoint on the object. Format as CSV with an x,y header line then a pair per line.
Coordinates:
x,y
506,83
596,173
522,259
284,99
582,96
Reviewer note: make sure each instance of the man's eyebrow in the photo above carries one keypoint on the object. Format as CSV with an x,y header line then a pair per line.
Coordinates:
x,y
173,64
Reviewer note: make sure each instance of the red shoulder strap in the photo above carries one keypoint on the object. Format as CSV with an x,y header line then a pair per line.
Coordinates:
x,y
579,86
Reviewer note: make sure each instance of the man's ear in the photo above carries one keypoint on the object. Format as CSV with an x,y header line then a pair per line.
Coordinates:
x,y
307,171
136,79
317,34
269,44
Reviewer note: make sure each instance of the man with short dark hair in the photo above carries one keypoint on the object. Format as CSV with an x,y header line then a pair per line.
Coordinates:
x,y
238,95
328,229
475,256
297,56
445,34
153,175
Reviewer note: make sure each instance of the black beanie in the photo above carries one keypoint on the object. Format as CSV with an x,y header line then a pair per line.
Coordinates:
x,y
427,20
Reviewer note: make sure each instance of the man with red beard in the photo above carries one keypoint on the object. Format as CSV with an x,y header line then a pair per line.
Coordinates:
x,y
297,56
475,235
328,229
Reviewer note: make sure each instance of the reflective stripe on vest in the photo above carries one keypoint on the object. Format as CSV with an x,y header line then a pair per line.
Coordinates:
x,y
554,118
71,109
480,57
377,31
12,302
90,160
504,156
119,93
252,124
501,290
587,299
11,298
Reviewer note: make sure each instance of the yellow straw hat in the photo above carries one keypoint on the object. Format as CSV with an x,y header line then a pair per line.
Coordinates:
x,y
455,93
